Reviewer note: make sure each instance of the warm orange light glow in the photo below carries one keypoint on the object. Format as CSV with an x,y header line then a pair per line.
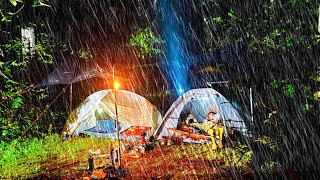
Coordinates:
x,y
116,85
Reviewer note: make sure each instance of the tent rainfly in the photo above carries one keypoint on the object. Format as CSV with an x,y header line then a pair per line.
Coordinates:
x,y
94,112
200,102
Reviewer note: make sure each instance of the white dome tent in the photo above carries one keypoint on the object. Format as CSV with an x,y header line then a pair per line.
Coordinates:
x,y
200,102
133,111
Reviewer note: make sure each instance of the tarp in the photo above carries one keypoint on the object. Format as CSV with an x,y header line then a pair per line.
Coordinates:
x,y
200,102
68,73
133,110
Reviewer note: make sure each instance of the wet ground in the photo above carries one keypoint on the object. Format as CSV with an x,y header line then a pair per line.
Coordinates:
x,y
164,163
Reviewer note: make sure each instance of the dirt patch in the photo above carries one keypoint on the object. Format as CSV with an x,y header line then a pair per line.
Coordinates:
x,y
162,164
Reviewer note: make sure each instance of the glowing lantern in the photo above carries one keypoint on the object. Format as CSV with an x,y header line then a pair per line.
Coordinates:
x,y
116,85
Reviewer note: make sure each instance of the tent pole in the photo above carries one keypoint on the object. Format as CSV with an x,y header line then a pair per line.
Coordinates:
x,y
117,127
117,120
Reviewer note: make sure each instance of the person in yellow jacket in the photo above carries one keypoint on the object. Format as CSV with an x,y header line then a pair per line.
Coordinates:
x,y
212,127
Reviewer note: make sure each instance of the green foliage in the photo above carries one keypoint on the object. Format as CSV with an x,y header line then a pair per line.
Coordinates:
x,y
317,76
11,4
9,14
232,15
316,96
44,48
147,42
15,2
270,165
17,102
289,41
267,140
278,25
14,47
308,107
41,3
160,93
289,90
276,83
21,101
218,19
238,156
19,109
83,54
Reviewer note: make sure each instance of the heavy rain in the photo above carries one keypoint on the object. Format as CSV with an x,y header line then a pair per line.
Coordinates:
x,y
159,89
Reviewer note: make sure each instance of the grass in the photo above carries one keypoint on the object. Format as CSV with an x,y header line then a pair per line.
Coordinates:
x,y
36,157
22,160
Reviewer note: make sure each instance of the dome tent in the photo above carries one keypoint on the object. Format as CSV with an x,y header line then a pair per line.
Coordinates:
x,y
200,102
133,111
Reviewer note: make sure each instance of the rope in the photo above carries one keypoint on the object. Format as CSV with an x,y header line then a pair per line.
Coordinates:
x,y
44,111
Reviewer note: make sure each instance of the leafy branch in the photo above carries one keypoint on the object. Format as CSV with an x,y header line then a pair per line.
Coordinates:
x,y
146,41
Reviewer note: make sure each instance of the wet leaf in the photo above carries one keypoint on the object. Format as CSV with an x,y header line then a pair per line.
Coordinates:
x,y
17,102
